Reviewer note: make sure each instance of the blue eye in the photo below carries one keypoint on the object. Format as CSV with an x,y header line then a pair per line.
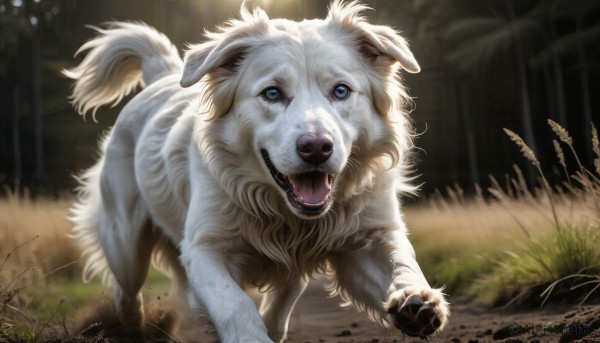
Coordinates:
x,y
341,92
271,93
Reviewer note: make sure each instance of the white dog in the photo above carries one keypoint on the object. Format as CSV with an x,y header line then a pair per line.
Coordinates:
x,y
273,151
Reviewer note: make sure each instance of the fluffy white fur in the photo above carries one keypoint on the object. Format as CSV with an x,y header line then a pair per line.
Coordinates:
x,y
182,175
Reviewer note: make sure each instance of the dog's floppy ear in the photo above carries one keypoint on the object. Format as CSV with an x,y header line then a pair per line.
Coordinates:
x,y
204,58
195,66
374,41
225,48
382,40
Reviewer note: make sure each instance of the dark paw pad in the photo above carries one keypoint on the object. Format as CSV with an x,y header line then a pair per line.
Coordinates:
x,y
417,317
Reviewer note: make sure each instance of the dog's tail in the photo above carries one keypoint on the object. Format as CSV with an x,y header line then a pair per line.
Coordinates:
x,y
121,57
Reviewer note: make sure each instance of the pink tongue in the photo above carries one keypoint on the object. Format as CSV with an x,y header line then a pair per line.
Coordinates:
x,y
312,189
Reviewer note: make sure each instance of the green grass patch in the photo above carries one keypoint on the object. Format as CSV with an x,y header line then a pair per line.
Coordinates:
x,y
73,293
10,333
455,268
45,310
556,259
563,265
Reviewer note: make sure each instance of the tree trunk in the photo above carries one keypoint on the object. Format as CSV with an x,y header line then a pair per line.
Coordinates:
x,y
585,92
559,91
158,16
559,83
18,174
465,112
551,102
36,109
526,115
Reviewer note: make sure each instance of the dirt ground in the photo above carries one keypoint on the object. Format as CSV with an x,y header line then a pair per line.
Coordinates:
x,y
318,318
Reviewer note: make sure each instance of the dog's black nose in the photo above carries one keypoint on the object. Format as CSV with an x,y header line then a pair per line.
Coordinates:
x,y
315,148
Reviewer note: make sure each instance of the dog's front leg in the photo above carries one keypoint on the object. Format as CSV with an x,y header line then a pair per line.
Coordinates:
x,y
412,305
231,310
385,281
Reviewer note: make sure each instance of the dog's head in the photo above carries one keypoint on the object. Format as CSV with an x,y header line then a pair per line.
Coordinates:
x,y
307,103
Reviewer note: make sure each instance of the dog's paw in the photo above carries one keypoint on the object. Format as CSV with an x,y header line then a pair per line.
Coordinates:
x,y
418,313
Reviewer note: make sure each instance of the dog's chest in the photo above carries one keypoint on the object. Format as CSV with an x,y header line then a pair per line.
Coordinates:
x,y
274,257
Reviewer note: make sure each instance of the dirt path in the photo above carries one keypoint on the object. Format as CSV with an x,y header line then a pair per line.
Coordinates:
x,y
319,319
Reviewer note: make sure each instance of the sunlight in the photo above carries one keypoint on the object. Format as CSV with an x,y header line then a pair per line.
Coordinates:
x,y
264,4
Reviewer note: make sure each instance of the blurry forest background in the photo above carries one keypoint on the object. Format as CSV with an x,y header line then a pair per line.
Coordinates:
x,y
486,65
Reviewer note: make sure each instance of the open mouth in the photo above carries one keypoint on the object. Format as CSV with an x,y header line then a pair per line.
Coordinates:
x,y
308,192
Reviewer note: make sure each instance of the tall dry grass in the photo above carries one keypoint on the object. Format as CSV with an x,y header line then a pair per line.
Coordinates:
x,y
565,263
34,253
461,239
42,295
517,245
39,228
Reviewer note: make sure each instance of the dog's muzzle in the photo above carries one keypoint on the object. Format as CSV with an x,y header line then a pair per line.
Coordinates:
x,y
310,192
